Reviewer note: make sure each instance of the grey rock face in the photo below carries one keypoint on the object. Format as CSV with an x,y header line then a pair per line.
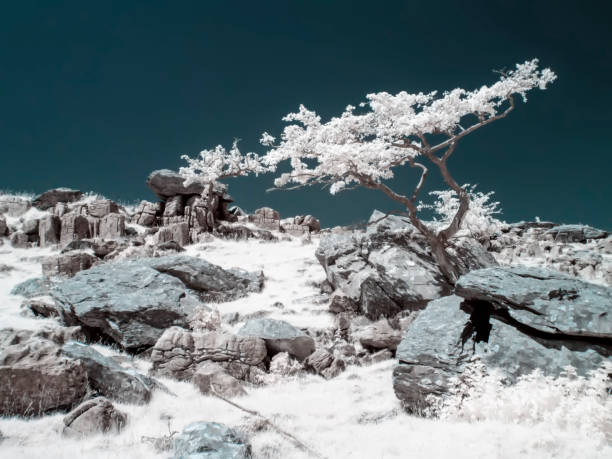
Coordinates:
x,y
97,416
36,379
102,207
49,229
128,303
166,183
178,232
280,336
67,264
112,226
448,334
30,226
389,268
267,212
210,440
575,233
3,227
50,198
211,281
212,378
110,379
379,335
178,353
14,206
146,213
74,227
547,301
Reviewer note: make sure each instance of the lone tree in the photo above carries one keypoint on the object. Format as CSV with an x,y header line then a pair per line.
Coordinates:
x,y
362,146
211,166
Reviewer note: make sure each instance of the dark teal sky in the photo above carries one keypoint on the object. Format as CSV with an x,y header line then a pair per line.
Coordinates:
x,y
95,95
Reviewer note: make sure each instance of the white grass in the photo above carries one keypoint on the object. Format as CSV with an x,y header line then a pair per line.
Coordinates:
x,y
353,416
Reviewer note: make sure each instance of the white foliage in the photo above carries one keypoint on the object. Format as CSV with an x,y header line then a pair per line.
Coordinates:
x,y
389,129
219,163
479,220
568,402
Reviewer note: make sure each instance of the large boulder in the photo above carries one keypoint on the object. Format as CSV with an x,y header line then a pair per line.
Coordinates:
x,y
50,198
146,213
545,301
280,336
35,379
112,226
97,416
128,303
210,440
179,353
390,268
177,232
110,379
166,184
73,227
512,331
211,281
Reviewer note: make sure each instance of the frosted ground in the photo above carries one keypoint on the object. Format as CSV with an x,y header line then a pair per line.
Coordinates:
x,y
355,415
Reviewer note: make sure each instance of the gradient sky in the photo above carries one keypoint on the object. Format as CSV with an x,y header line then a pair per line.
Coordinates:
x,y
95,95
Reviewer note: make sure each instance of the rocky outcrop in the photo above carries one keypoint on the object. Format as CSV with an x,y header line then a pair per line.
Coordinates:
x,y
513,319
266,218
211,281
20,240
108,378
50,198
35,379
389,268
166,184
211,440
280,336
146,213
97,416
127,303
575,233
3,227
179,353
178,232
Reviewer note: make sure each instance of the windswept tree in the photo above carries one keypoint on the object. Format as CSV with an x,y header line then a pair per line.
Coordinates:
x,y
363,146
212,166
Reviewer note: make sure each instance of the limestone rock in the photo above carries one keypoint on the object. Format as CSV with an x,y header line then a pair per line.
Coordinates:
x,y
102,207
50,198
49,229
110,379
112,226
211,281
319,360
14,206
210,440
36,379
74,227
379,335
212,378
389,268
146,213
178,353
280,336
178,233
126,302
67,264
20,240
97,416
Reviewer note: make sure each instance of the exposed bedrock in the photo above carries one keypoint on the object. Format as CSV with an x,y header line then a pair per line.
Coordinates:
x,y
514,319
389,268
